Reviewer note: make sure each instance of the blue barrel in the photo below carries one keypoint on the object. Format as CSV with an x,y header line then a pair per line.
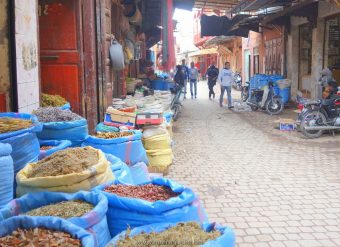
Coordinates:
x,y
159,85
285,94
276,90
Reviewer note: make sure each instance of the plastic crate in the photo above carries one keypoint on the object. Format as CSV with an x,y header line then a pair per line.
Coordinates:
x,y
149,118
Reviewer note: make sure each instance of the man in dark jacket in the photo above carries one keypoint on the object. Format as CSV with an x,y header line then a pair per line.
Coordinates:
x,y
212,74
185,73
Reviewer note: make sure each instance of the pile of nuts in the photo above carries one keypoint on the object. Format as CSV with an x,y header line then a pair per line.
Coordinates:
x,y
39,237
148,192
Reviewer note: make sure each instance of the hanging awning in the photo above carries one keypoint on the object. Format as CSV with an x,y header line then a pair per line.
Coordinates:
x,y
203,52
218,40
255,5
216,4
308,9
184,4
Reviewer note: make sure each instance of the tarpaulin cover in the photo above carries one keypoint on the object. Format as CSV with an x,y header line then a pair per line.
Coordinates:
x,y
101,127
127,212
67,106
52,223
94,221
6,174
74,131
120,170
140,173
58,145
227,239
129,148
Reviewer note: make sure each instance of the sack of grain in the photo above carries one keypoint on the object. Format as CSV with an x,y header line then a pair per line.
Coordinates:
x,y
84,209
129,210
50,147
190,233
58,227
157,142
69,170
159,159
6,174
128,148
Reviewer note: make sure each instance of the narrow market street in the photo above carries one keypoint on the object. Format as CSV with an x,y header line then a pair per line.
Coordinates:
x,y
274,191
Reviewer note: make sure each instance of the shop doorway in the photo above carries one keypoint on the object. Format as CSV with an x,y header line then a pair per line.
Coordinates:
x,y
305,58
60,50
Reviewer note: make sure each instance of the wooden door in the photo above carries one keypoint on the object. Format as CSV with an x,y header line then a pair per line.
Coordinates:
x,y
60,50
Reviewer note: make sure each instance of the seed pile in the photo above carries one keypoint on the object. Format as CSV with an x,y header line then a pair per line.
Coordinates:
x,y
184,234
148,192
65,162
65,209
52,100
113,135
39,237
53,114
13,124
44,148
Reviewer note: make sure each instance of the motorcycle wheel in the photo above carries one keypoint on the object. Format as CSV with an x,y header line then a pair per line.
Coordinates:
x,y
176,112
274,106
244,94
312,118
254,108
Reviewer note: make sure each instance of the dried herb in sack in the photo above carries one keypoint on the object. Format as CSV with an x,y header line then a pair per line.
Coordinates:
x,y
48,100
53,114
148,192
188,234
13,124
113,135
71,160
64,209
39,237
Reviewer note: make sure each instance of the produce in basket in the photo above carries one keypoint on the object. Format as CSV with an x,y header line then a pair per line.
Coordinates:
x,y
148,192
52,100
64,162
183,234
113,135
8,124
39,237
54,114
64,209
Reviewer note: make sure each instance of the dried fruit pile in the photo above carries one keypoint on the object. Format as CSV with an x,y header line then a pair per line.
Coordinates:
x,y
39,237
65,162
53,114
183,234
13,124
52,100
44,148
64,209
113,135
148,192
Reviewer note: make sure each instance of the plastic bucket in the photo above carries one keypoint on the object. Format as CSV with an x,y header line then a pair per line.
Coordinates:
x,y
285,94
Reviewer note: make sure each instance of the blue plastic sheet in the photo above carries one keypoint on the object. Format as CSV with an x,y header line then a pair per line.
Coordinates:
x,y
101,127
74,131
94,221
58,145
67,106
227,239
120,170
6,174
140,173
127,212
129,149
52,223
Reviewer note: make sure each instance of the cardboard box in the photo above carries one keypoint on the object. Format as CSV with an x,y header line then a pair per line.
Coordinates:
x,y
116,116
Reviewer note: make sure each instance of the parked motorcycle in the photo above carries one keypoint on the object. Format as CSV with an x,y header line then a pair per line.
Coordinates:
x,y
237,82
265,99
245,91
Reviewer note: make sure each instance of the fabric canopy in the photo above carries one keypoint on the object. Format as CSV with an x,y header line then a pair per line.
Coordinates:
x,y
203,52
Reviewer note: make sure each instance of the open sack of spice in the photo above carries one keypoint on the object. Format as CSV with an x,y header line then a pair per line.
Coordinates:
x,y
125,145
176,234
43,231
160,200
50,147
69,170
61,124
84,209
49,100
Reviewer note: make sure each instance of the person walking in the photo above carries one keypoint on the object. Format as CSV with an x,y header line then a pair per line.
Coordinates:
x,y
185,73
193,73
225,78
212,74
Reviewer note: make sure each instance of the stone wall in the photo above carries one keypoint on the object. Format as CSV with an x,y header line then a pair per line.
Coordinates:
x,y
27,58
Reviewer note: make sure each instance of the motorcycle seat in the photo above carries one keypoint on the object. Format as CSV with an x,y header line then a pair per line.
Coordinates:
x,y
312,102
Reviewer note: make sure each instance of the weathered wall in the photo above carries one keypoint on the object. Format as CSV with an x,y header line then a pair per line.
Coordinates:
x,y
27,59
4,53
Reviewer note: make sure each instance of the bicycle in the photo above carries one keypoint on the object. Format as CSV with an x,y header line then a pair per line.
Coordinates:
x,y
176,101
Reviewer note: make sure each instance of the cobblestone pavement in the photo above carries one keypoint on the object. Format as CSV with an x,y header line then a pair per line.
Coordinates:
x,y
273,190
